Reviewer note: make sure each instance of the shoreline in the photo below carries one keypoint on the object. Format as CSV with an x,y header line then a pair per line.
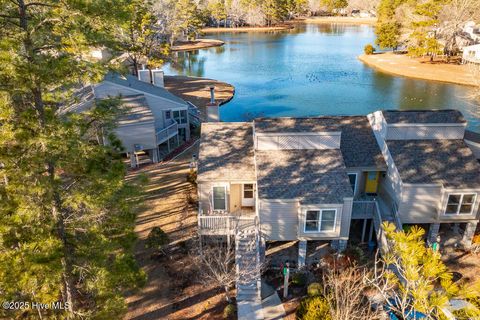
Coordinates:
x,y
247,29
196,90
402,65
344,20
197,44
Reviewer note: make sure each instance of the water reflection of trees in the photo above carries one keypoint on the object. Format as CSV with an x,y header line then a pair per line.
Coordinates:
x,y
189,63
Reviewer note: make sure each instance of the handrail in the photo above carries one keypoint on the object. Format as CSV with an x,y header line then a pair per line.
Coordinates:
x,y
381,237
167,132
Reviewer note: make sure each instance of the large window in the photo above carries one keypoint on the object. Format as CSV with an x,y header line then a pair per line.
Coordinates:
x,y
353,181
460,203
320,220
219,198
180,116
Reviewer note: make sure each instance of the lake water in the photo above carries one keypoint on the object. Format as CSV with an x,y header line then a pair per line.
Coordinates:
x,y
312,70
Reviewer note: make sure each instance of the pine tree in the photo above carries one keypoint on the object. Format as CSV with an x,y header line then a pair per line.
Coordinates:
x,y
140,37
412,277
67,213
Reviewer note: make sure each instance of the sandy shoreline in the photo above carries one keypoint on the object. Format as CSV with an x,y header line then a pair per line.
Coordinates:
x,y
197,44
403,65
346,20
196,90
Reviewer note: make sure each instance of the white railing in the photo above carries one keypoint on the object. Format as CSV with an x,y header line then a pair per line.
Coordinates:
x,y
194,114
223,224
166,133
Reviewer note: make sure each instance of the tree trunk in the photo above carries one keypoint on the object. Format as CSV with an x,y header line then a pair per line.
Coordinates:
x,y
56,209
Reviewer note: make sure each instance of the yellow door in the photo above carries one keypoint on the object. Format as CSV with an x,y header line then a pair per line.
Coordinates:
x,y
371,183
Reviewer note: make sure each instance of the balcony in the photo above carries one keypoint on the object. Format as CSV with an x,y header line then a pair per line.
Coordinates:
x,y
170,131
225,224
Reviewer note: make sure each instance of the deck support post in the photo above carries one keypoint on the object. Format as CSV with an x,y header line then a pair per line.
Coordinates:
x,y
302,253
370,233
133,160
433,232
469,233
364,229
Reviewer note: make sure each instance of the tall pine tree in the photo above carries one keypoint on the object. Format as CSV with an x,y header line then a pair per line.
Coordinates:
x,y
66,212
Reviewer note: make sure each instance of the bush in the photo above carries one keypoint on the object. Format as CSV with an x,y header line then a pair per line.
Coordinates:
x,y
369,49
314,308
299,279
229,312
314,289
156,239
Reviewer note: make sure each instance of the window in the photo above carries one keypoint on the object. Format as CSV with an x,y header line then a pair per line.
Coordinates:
x,y
460,203
168,114
248,190
219,198
180,116
320,220
353,181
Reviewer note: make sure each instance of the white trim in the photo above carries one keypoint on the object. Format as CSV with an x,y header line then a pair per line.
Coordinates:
x,y
356,182
458,213
320,210
213,199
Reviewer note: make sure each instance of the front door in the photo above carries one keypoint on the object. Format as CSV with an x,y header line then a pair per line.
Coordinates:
x,y
247,195
371,183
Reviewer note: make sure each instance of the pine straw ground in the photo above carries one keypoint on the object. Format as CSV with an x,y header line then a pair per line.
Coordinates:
x,y
171,291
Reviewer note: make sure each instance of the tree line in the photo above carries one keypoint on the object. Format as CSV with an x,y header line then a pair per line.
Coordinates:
x,y
425,27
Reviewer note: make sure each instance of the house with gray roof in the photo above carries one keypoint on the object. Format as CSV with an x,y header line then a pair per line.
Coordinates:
x,y
334,180
153,119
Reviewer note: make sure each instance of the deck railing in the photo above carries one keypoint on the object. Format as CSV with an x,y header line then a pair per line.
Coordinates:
x,y
363,209
171,130
223,224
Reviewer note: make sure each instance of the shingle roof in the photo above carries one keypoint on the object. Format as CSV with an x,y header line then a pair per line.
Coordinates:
x,y
132,82
423,116
358,144
135,110
313,176
447,162
226,152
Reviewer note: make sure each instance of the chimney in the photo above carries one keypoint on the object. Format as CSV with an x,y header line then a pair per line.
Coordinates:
x,y
212,107
144,75
157,78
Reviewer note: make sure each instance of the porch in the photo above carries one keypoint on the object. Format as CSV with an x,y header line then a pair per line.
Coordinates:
x,y
225,224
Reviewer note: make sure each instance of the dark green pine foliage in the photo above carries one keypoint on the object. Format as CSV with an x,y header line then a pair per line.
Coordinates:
x,y
66,213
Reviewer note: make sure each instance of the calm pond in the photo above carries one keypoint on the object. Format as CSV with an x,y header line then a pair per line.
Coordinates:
x,y
312,70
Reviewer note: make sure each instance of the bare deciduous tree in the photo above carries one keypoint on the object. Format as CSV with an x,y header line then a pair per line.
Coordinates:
x,y
346,290
216,264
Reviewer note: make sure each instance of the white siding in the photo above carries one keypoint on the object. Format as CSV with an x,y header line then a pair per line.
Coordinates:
x,y
419,204
279,219
142,134
424,132
298,141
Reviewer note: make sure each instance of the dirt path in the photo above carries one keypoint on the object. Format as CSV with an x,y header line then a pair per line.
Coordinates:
x,y
400,64
165,201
